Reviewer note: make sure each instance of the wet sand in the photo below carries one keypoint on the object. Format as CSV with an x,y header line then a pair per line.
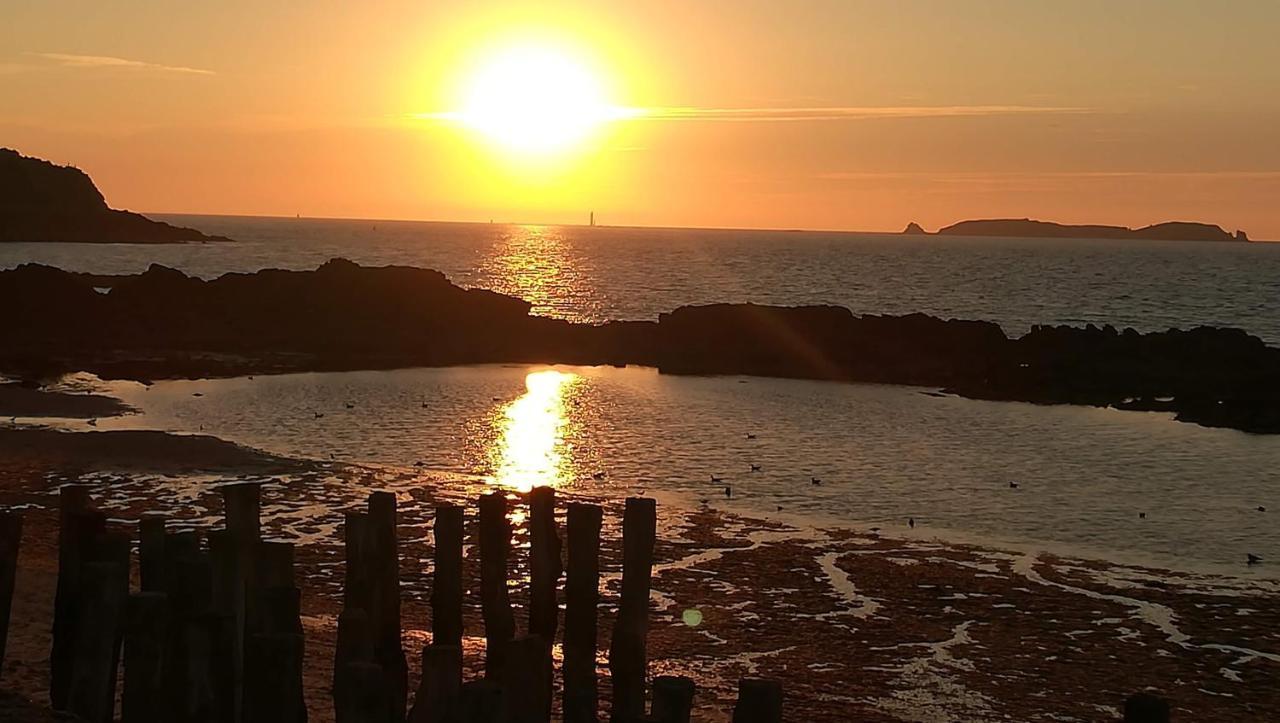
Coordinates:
x,y
859,626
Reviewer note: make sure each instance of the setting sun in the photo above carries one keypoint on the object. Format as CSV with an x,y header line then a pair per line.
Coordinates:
x,y
535,100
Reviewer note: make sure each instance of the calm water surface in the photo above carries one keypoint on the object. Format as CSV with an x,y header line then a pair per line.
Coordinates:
x,y
883,453
602,273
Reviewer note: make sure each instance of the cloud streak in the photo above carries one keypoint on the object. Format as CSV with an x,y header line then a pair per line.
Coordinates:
x,y
839,113
70,60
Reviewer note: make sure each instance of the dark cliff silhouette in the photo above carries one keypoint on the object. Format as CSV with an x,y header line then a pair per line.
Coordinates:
x,y
1027,228
162,324
40,201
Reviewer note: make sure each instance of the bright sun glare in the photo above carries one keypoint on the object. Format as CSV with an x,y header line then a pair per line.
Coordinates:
x,y
535,100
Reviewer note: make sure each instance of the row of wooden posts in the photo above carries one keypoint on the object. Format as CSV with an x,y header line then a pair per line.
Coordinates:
x,y
215,635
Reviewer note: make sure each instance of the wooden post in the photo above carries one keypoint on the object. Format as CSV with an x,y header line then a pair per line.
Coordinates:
x,y
145,640
440,686
242,508
384,611
673,698
544,564
495,542
367,700
446,591
10,541
354,645
526,680
91,694
78,524
151,552
628,661
582,598
482,702
759,701
1146,708
273,679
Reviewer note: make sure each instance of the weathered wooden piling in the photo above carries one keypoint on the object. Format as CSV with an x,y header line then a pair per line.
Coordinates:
x,y
104,580
628,660
10,541
242,509
151,531
759,701
446,589
544,564
366,699
78,523
495,601
1146,708
384,566
526,680
273,679
354,645
145,643
582,599
672,699
482,702
440,687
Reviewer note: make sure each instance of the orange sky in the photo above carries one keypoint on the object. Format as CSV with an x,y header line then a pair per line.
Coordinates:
x,y
851,114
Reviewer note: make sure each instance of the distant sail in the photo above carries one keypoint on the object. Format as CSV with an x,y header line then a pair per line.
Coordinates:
x,y
593,218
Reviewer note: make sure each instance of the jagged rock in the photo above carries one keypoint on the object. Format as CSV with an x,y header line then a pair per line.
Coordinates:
x,y
163,324
914,229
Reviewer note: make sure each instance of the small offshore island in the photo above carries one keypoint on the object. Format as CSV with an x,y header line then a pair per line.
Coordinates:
x,y
44,202
1028,228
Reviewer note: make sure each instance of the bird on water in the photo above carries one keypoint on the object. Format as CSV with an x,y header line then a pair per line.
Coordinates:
x,y
716,479
911,522
1252,559
728,491
755,468
1013,485
815,481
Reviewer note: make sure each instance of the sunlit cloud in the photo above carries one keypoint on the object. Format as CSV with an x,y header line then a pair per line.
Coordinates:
x,y
70,60
837,113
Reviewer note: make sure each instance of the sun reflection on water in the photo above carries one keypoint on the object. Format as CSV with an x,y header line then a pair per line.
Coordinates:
x,y
531,449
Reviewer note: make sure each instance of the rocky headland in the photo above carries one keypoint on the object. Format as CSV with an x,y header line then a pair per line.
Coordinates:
x,y
341,316
44,202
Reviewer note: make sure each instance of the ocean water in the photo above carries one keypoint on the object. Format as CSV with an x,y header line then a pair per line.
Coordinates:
x,y
883,454
601,273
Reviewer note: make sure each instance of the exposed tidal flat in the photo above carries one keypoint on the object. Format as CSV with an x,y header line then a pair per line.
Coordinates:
x,y
1001,604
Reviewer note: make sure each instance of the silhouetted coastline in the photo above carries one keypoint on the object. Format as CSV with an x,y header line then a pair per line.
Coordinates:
x,y
44,202
164,324
1029,228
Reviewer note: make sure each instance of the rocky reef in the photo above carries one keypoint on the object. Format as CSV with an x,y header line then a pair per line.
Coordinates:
x,y
44,202
164,324
1027,228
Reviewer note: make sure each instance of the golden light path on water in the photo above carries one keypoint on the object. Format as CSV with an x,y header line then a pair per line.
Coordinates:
x,y
531,446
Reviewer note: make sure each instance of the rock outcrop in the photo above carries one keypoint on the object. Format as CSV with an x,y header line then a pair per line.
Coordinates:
x,y
40,201
914,229
162,323
1027,228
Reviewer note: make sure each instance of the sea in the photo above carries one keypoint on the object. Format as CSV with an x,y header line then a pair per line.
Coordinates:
x,y
1127,487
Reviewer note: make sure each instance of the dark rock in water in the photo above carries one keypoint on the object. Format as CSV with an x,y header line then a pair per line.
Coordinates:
x,y
1241,235
1027,228
914,229
165,324
40,201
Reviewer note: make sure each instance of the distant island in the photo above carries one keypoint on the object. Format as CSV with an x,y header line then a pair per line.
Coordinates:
x,y
44,202
1027,228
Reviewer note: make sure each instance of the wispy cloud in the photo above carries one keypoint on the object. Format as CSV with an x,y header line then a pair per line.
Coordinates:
x,y
106,61
835,113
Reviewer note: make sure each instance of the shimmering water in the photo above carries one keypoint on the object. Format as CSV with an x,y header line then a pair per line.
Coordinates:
x,y
883,453
619,273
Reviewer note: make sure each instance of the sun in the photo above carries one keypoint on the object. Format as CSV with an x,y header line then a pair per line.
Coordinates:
x,y
535,100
